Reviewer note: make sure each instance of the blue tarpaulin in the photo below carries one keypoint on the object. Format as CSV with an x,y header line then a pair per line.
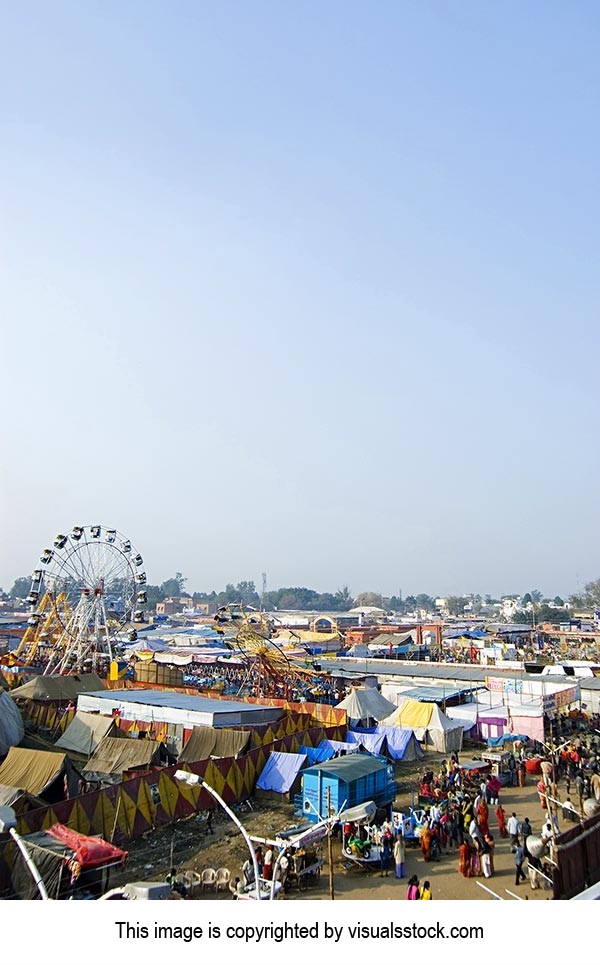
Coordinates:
x,y
338,746
371,742
401,743
280,771
468,634
506,738
316,755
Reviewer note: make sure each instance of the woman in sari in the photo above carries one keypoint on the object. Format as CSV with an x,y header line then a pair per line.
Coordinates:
x,y
476,857
425,841
489,840
464,860
541,789
501,818
482,817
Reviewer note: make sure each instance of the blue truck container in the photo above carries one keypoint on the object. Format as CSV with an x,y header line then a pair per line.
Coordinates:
x,y
350,780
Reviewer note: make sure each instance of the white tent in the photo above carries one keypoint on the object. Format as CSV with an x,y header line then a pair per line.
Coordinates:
x,y
365,702
465,714
445,734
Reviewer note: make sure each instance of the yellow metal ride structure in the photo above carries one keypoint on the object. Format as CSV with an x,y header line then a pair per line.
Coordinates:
x,y
269,670
45,628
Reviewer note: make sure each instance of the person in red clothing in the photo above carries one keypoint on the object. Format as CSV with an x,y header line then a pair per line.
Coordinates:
x,y
482,817
501,818
464,860
268,864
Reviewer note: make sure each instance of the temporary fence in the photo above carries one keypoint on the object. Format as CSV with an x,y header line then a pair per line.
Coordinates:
x,y
578,858
56,717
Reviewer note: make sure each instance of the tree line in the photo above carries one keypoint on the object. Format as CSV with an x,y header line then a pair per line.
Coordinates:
x,y
304,598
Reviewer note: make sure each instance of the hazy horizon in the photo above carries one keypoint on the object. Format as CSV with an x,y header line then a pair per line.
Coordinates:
x,y
189,588
309,290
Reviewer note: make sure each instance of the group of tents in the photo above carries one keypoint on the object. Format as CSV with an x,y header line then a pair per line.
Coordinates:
x,y
94,751
378,727
430,725
281,774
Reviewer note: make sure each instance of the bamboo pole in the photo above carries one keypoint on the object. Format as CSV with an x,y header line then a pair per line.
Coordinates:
x,y
112,837
330,847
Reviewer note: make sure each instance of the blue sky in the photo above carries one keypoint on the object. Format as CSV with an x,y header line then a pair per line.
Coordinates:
x,y
307,289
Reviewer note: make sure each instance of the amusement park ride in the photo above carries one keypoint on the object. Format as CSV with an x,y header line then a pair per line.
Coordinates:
x,y
89,587
88,593
251,634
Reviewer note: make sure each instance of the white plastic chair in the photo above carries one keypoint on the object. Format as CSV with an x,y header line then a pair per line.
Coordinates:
x,y
223,878
208,879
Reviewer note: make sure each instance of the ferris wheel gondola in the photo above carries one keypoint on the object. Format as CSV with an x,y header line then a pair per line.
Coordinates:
x,y
94,578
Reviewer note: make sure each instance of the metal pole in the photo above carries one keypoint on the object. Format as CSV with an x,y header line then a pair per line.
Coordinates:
x,y
241,827
330,847
30,864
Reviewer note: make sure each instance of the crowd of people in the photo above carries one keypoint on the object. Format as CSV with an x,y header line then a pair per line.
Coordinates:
x,y
460,807
242,679
459,814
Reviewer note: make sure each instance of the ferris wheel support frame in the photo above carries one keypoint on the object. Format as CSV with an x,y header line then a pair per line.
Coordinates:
x,y
83,566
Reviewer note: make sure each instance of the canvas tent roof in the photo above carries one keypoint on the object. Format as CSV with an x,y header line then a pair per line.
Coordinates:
x,y
371,742
30,770
85,732
365,702
336,746
401,743
410,713
59,687
116,755
429,723
443,733
465,714
11,724
280,771
205,742
19,800
316,755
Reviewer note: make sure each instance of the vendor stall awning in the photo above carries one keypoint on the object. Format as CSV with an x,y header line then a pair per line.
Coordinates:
x,y
362,813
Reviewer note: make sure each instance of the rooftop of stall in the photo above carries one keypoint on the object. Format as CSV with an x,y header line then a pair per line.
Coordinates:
x,y
345,782
175,708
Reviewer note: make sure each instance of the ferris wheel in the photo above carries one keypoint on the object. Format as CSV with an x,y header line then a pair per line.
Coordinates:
x,y
94,580
252,634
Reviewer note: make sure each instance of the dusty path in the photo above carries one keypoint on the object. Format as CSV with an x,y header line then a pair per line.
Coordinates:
x,y
188,845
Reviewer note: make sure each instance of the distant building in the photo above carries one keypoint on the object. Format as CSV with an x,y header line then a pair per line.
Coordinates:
x,y
509,605
175,604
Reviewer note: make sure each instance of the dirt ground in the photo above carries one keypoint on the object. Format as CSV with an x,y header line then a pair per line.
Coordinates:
x,y
189,845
